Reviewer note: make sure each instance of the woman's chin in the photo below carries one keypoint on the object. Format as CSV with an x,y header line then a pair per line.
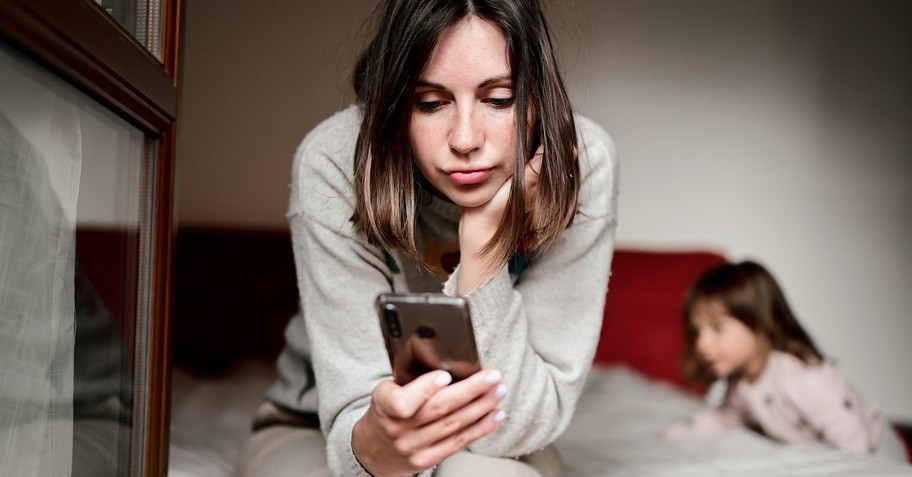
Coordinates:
x,y
469,201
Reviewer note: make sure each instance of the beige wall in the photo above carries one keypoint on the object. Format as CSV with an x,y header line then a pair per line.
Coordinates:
x,y
774,130
256,77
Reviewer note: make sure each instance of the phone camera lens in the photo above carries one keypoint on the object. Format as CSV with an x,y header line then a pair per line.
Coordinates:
x,y
391,315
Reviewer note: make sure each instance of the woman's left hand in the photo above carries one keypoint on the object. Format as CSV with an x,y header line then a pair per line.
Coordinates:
x,y
533,174
478,224
492,212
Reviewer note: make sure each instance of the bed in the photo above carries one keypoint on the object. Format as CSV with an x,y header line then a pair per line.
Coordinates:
x,y
612,434
631,393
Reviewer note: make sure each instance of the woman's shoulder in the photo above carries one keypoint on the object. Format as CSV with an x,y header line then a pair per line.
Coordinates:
x,y
596,148
598,167
323,162
339,131
592,133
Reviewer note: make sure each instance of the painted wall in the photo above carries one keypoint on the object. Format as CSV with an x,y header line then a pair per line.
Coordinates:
x,y
774,130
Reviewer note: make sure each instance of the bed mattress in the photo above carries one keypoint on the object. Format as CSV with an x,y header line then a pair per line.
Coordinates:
x,y
613,433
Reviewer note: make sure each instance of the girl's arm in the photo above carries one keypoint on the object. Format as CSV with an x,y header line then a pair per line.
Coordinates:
x,y
707,422
542,331
719,419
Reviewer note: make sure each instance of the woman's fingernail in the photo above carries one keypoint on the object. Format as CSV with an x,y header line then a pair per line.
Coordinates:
x,y
493,377
443,379
500,392
500,416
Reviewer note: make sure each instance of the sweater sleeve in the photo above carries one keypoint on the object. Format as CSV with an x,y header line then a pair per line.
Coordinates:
x,y
542,332
338,277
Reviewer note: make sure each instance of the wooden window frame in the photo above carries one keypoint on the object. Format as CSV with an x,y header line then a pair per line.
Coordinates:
x,y
83,45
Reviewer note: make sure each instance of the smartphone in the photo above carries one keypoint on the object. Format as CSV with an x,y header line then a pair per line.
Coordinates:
x,y
427,331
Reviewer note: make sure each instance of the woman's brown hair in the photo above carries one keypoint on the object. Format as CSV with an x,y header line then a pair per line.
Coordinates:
x,y
749,293
388,185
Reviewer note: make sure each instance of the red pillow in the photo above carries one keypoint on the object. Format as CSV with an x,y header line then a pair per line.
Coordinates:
x,y
643,327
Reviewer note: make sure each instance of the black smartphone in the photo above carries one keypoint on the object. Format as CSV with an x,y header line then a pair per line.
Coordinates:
x,y
427,331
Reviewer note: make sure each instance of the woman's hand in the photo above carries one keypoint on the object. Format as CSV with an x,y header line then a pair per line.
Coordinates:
x,y
478,224
410,428
492,212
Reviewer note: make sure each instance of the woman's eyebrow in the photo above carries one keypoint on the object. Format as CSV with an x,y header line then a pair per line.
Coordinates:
x,y
429,84
483,84
497,79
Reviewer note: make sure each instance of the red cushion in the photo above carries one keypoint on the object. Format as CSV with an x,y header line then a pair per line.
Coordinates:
x,y
643,327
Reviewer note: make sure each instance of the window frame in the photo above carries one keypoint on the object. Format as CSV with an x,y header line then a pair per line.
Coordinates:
x,y
85,46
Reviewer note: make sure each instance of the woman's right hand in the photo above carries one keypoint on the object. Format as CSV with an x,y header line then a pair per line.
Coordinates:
x,y
407,429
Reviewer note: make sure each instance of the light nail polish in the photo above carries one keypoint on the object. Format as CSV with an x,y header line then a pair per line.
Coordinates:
x,y
443,379
493,377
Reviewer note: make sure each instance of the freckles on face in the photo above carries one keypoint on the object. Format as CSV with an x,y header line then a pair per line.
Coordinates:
x,y
463,123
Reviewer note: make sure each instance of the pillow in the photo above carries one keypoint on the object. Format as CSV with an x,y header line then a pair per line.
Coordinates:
x,y
643,327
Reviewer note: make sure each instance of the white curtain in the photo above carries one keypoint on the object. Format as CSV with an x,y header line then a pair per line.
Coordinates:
x,y
40,164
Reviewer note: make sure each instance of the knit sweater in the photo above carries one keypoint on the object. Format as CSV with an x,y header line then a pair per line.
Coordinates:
x,y
539,325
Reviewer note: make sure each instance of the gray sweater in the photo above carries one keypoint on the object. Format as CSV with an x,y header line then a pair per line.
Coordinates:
x,y
539,326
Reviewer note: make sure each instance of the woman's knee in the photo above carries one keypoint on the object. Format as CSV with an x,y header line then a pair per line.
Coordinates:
x,y
544,463
284,451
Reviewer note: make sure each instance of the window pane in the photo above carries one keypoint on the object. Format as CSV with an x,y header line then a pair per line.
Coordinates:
x,y
142,18
74,248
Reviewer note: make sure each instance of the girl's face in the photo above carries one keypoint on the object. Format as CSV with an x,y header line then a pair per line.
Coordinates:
x,y
463,120
725,343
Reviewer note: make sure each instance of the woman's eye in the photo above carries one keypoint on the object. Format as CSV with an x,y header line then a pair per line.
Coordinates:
x,y
429,106
501,102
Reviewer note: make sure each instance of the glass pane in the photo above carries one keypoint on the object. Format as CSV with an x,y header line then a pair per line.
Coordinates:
x,y
142,18
74,249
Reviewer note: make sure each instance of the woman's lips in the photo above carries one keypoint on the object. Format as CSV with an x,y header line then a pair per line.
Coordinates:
x,y
469,177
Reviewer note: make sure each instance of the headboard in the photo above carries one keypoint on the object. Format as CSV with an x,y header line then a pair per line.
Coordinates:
x,y
643,327
236,290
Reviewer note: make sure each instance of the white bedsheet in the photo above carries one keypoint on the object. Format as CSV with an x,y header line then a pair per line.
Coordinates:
x,y
211,417
612,434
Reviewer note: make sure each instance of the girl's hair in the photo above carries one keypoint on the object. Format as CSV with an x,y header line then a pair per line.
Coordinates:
x,y
750,294
388,186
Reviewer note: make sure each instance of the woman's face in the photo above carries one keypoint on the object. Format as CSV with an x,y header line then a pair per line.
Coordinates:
x,y
463,121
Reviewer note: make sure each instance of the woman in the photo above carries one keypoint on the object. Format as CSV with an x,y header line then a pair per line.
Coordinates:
x,y
463,148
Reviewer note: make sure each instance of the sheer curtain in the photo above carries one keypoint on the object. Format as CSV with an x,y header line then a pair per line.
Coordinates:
x,y
40,164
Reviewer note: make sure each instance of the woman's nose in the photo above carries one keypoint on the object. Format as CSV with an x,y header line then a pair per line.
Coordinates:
x,y
466,135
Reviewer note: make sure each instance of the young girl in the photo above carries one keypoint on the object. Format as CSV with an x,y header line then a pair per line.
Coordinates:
x,y
741,330
463,148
